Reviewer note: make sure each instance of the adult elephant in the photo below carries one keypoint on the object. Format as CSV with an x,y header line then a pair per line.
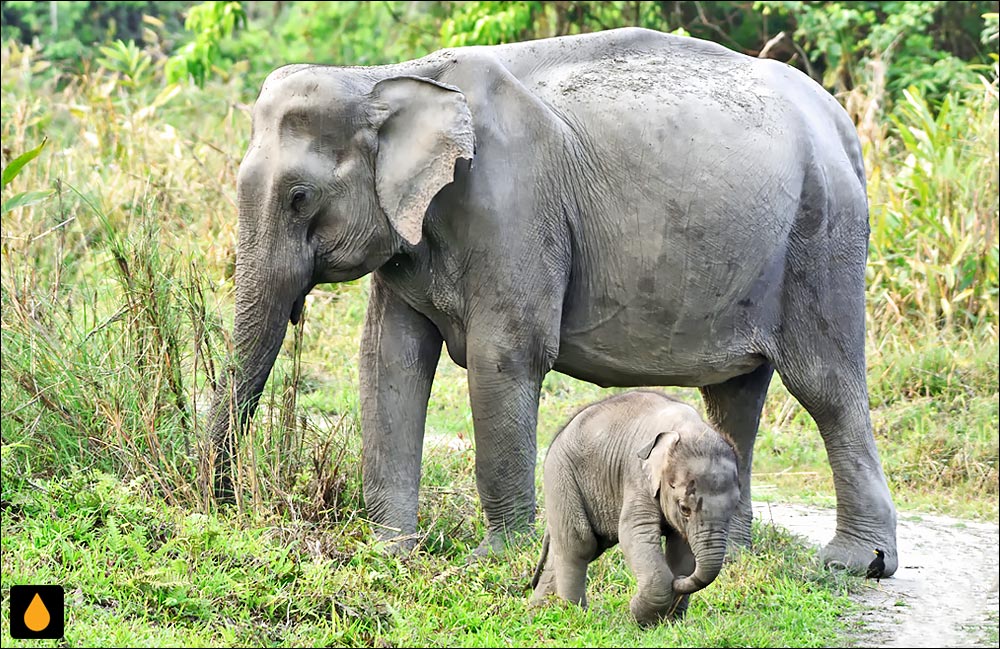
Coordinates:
x,y
627,207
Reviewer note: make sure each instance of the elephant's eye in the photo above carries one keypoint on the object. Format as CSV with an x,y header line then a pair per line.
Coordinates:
x,y
298,198
685,511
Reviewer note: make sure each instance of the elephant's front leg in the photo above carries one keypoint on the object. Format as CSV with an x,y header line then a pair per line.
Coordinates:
x,y
504,387
399,353
639,537
734,408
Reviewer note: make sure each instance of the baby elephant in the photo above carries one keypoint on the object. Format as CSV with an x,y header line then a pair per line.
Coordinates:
x,y
632,469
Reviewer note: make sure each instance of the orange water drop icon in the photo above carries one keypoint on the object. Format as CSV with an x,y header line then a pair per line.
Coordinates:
x,y
37,616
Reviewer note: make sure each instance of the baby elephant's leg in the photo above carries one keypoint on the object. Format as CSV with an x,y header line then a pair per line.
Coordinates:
x,y
573,543
571,563
640,542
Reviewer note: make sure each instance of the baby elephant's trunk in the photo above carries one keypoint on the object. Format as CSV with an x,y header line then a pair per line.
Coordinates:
x,y
709,553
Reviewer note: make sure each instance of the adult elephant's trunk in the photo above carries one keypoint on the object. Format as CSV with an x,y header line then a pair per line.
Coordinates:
x,y
266,299
709,550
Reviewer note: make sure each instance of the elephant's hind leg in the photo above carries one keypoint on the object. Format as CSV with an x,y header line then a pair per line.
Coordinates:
x,y
833,390
570,553
820,355
734,408
571,571
546,584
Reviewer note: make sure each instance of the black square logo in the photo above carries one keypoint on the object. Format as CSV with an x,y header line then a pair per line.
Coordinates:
x,y
36,612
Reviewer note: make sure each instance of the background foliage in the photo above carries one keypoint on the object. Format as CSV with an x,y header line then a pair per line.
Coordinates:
x,y
123,124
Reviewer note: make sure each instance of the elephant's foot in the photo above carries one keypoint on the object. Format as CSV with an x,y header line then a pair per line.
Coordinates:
x,y
539,596
648,613
393,541
497,542
853,553
398,545
544,586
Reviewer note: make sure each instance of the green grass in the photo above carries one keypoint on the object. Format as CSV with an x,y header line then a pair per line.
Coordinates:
x,y
989,630
142,572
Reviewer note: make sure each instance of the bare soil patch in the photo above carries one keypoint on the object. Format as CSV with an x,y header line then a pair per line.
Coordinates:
x,y
944,593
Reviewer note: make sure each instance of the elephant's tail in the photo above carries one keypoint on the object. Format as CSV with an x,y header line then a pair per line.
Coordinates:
x,y
540,568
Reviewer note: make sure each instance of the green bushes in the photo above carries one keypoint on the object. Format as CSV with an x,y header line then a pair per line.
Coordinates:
x,y
933,189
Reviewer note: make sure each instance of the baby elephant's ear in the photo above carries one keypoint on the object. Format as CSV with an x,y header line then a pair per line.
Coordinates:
x,y
654,456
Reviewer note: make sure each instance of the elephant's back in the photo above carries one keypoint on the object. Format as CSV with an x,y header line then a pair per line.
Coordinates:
x,y
612,51
648,89
627,69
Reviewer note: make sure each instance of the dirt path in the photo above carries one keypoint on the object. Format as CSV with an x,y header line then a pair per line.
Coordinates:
x,y
923,604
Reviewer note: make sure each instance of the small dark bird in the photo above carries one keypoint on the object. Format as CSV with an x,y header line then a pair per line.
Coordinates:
x,y
877,567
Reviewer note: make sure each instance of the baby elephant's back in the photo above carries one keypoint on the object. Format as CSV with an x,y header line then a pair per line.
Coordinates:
x,y
609,433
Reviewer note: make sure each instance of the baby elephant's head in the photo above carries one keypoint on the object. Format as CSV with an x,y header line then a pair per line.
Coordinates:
x,y
693,473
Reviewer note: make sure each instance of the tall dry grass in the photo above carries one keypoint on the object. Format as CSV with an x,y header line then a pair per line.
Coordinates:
x,y
933,188
115,290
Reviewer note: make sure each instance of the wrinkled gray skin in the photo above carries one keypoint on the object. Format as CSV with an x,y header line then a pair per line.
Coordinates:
x,y
626,207
632,469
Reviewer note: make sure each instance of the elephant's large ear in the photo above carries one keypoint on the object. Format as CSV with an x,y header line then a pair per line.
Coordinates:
x,y
654,456
423,127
